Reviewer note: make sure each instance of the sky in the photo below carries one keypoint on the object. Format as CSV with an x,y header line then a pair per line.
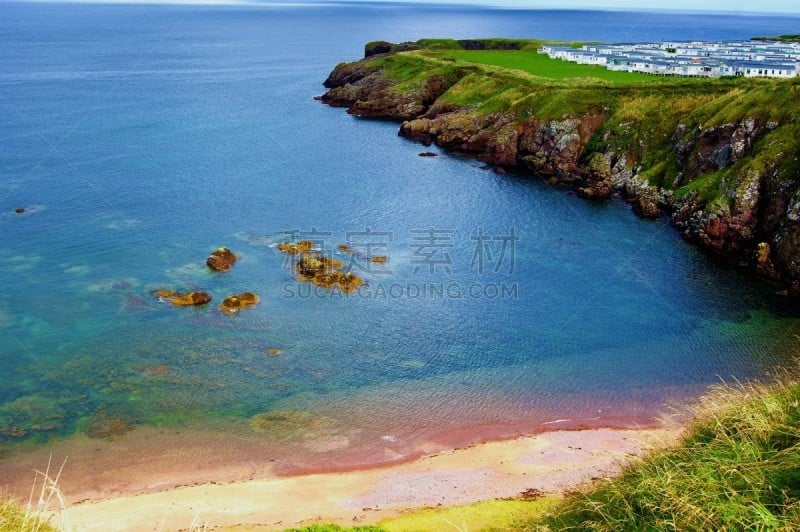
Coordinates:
x,y
741,6
730,6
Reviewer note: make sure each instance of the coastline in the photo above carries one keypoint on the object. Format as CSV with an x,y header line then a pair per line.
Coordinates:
x,y
551,463
722,178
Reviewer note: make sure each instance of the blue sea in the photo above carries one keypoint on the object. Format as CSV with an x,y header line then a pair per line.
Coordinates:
x,y
138,139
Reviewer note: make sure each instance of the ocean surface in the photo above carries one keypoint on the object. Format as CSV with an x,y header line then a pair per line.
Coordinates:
x,y
141,138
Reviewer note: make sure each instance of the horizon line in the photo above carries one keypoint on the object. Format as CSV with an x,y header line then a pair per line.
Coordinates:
x,y
439,4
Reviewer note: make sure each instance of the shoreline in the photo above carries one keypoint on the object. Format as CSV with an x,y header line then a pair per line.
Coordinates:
x,y
152,459
551,463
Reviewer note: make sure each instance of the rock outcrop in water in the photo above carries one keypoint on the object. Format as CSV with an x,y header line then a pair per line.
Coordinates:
x,y
320,269
221,260
190,299
233,304
720,158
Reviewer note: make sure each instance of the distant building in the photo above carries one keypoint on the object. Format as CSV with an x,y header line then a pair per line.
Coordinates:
x,y
697,58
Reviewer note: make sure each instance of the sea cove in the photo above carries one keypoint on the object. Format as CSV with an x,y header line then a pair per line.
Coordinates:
x,y
140,139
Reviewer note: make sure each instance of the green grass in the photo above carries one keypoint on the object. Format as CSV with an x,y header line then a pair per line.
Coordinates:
x,y
14,517
334,528
738,469
538,64
494,514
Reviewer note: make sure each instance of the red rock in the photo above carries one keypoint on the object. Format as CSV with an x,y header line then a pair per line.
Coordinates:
x,y
221,260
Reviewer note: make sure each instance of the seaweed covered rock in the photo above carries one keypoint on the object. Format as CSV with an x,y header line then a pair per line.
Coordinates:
x,y
30,414
233,304
292,425
323,270
349,282
105,426
295,248
191,299
184,300
310,265
221,260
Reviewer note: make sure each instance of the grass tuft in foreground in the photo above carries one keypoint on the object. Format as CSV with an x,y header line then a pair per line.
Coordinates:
x,y
738,469
45,493
15,517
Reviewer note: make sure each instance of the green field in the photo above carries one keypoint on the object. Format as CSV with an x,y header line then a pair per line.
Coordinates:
x,y
541,65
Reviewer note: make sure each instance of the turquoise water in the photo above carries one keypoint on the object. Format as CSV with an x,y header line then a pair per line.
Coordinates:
x,y
139,139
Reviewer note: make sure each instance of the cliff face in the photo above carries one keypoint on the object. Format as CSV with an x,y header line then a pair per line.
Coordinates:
x,y
730,186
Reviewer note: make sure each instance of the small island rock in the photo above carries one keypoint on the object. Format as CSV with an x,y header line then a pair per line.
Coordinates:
x,y
233,304
221,260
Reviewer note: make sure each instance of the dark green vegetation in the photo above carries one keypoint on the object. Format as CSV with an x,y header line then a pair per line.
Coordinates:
x,y
780,38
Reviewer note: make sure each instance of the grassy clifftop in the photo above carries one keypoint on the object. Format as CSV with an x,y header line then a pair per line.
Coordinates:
x,y
721,157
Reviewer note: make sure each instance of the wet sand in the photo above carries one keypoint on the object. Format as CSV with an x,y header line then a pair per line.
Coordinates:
x,y
550,462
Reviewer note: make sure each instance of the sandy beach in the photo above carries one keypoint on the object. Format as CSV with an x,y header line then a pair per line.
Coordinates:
x,y
551,463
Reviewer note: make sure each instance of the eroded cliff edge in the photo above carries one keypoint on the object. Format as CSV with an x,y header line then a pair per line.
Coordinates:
x,y
721,158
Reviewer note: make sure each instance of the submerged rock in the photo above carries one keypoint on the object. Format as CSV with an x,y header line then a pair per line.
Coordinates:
x,y
107,426
292,424
165,294
154,370
349,282
30,414
192,298
113,285
233,304
295,248
221,260
184,300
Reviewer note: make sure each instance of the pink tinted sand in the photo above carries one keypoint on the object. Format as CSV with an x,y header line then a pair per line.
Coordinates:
x,y
550,462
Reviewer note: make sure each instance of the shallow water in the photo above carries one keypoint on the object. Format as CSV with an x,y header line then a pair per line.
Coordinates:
x,y
139,139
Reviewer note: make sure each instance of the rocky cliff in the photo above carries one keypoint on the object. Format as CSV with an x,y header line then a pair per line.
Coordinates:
x,y
720,158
